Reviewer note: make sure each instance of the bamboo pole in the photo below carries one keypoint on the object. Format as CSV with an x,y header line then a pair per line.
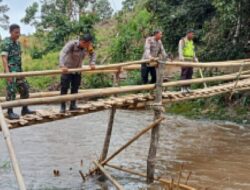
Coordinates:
x,y
236,82
138,135
84,69
14,161
110,91
164,181
114,182
201,74
235,63
206,65
108,134
156,130
110,124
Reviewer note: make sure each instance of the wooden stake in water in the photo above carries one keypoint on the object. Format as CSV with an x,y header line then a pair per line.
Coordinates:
x,y
155,131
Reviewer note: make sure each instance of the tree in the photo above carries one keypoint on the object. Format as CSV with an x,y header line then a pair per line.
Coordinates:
x,y
59,20
129,4
102,9
31,14
221,26
4,19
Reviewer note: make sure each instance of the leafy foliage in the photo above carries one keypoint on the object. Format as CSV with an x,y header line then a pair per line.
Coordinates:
x,y
61,20
222,26
132,29
4,19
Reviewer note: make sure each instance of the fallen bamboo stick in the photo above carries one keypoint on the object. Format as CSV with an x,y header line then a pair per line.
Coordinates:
x,y
164,181
14,161
84,69
114,182
142,132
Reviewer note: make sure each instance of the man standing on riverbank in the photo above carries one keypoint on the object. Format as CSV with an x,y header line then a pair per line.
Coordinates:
x,y
71,57
12,62
153,48
187,53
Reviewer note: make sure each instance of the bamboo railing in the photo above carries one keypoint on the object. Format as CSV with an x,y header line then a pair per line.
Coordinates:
x,y
126,66
84,94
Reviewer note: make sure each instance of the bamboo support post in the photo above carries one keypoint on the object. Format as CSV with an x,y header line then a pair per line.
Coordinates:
x,y
14,161
114,182
138,135
155,131
108,134
110,124
163,181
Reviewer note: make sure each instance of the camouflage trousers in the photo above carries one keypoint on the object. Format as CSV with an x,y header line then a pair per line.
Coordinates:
x,y
19,85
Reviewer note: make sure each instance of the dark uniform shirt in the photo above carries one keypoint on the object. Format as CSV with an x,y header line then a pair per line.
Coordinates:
x,y
153,48
72,55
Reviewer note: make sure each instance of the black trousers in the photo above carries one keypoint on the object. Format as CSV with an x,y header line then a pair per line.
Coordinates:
x,y
186,74
145,71
71,81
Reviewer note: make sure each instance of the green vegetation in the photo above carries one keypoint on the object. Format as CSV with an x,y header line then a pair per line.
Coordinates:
x,y
216,108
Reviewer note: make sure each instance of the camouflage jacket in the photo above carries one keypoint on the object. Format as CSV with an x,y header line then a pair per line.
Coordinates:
x,y
13,51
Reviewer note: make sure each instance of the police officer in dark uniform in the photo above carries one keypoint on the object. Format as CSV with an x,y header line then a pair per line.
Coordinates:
x,y
72,56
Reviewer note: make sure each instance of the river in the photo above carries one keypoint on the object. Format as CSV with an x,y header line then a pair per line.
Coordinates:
x,y
217,153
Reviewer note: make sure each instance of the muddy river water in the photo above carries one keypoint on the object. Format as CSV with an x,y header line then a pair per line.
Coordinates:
x,y
217,153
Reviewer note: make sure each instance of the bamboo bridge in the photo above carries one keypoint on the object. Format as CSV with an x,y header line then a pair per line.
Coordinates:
x,y
150,96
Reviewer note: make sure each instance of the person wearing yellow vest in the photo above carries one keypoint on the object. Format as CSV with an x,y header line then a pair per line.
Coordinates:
x,y
187,53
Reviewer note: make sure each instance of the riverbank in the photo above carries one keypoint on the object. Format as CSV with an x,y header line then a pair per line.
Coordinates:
x,y
215,108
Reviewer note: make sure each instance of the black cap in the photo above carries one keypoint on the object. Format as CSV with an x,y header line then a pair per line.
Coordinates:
x,y
190,31
86,38
156,31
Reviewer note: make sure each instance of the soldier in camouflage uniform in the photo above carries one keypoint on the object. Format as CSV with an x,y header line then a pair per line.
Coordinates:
x,y
12,62
153,48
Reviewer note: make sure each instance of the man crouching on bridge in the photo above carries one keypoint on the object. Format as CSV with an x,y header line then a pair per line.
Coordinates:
x,y
71,57
12,62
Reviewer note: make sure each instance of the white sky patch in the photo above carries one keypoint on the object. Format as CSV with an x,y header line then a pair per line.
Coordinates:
x,y
17,12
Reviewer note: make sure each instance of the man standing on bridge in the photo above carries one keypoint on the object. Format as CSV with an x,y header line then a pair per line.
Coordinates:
x,y
153,48
187,53
71,57
12,62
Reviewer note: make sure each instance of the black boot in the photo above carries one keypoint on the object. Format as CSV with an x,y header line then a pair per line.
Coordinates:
x,y
12,115
73,106
26,111
63,107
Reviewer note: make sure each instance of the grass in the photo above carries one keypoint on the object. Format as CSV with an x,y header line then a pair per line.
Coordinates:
x,y
212,108
40,83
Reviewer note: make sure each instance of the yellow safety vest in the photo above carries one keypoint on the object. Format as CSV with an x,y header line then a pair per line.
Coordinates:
x,y
188,50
